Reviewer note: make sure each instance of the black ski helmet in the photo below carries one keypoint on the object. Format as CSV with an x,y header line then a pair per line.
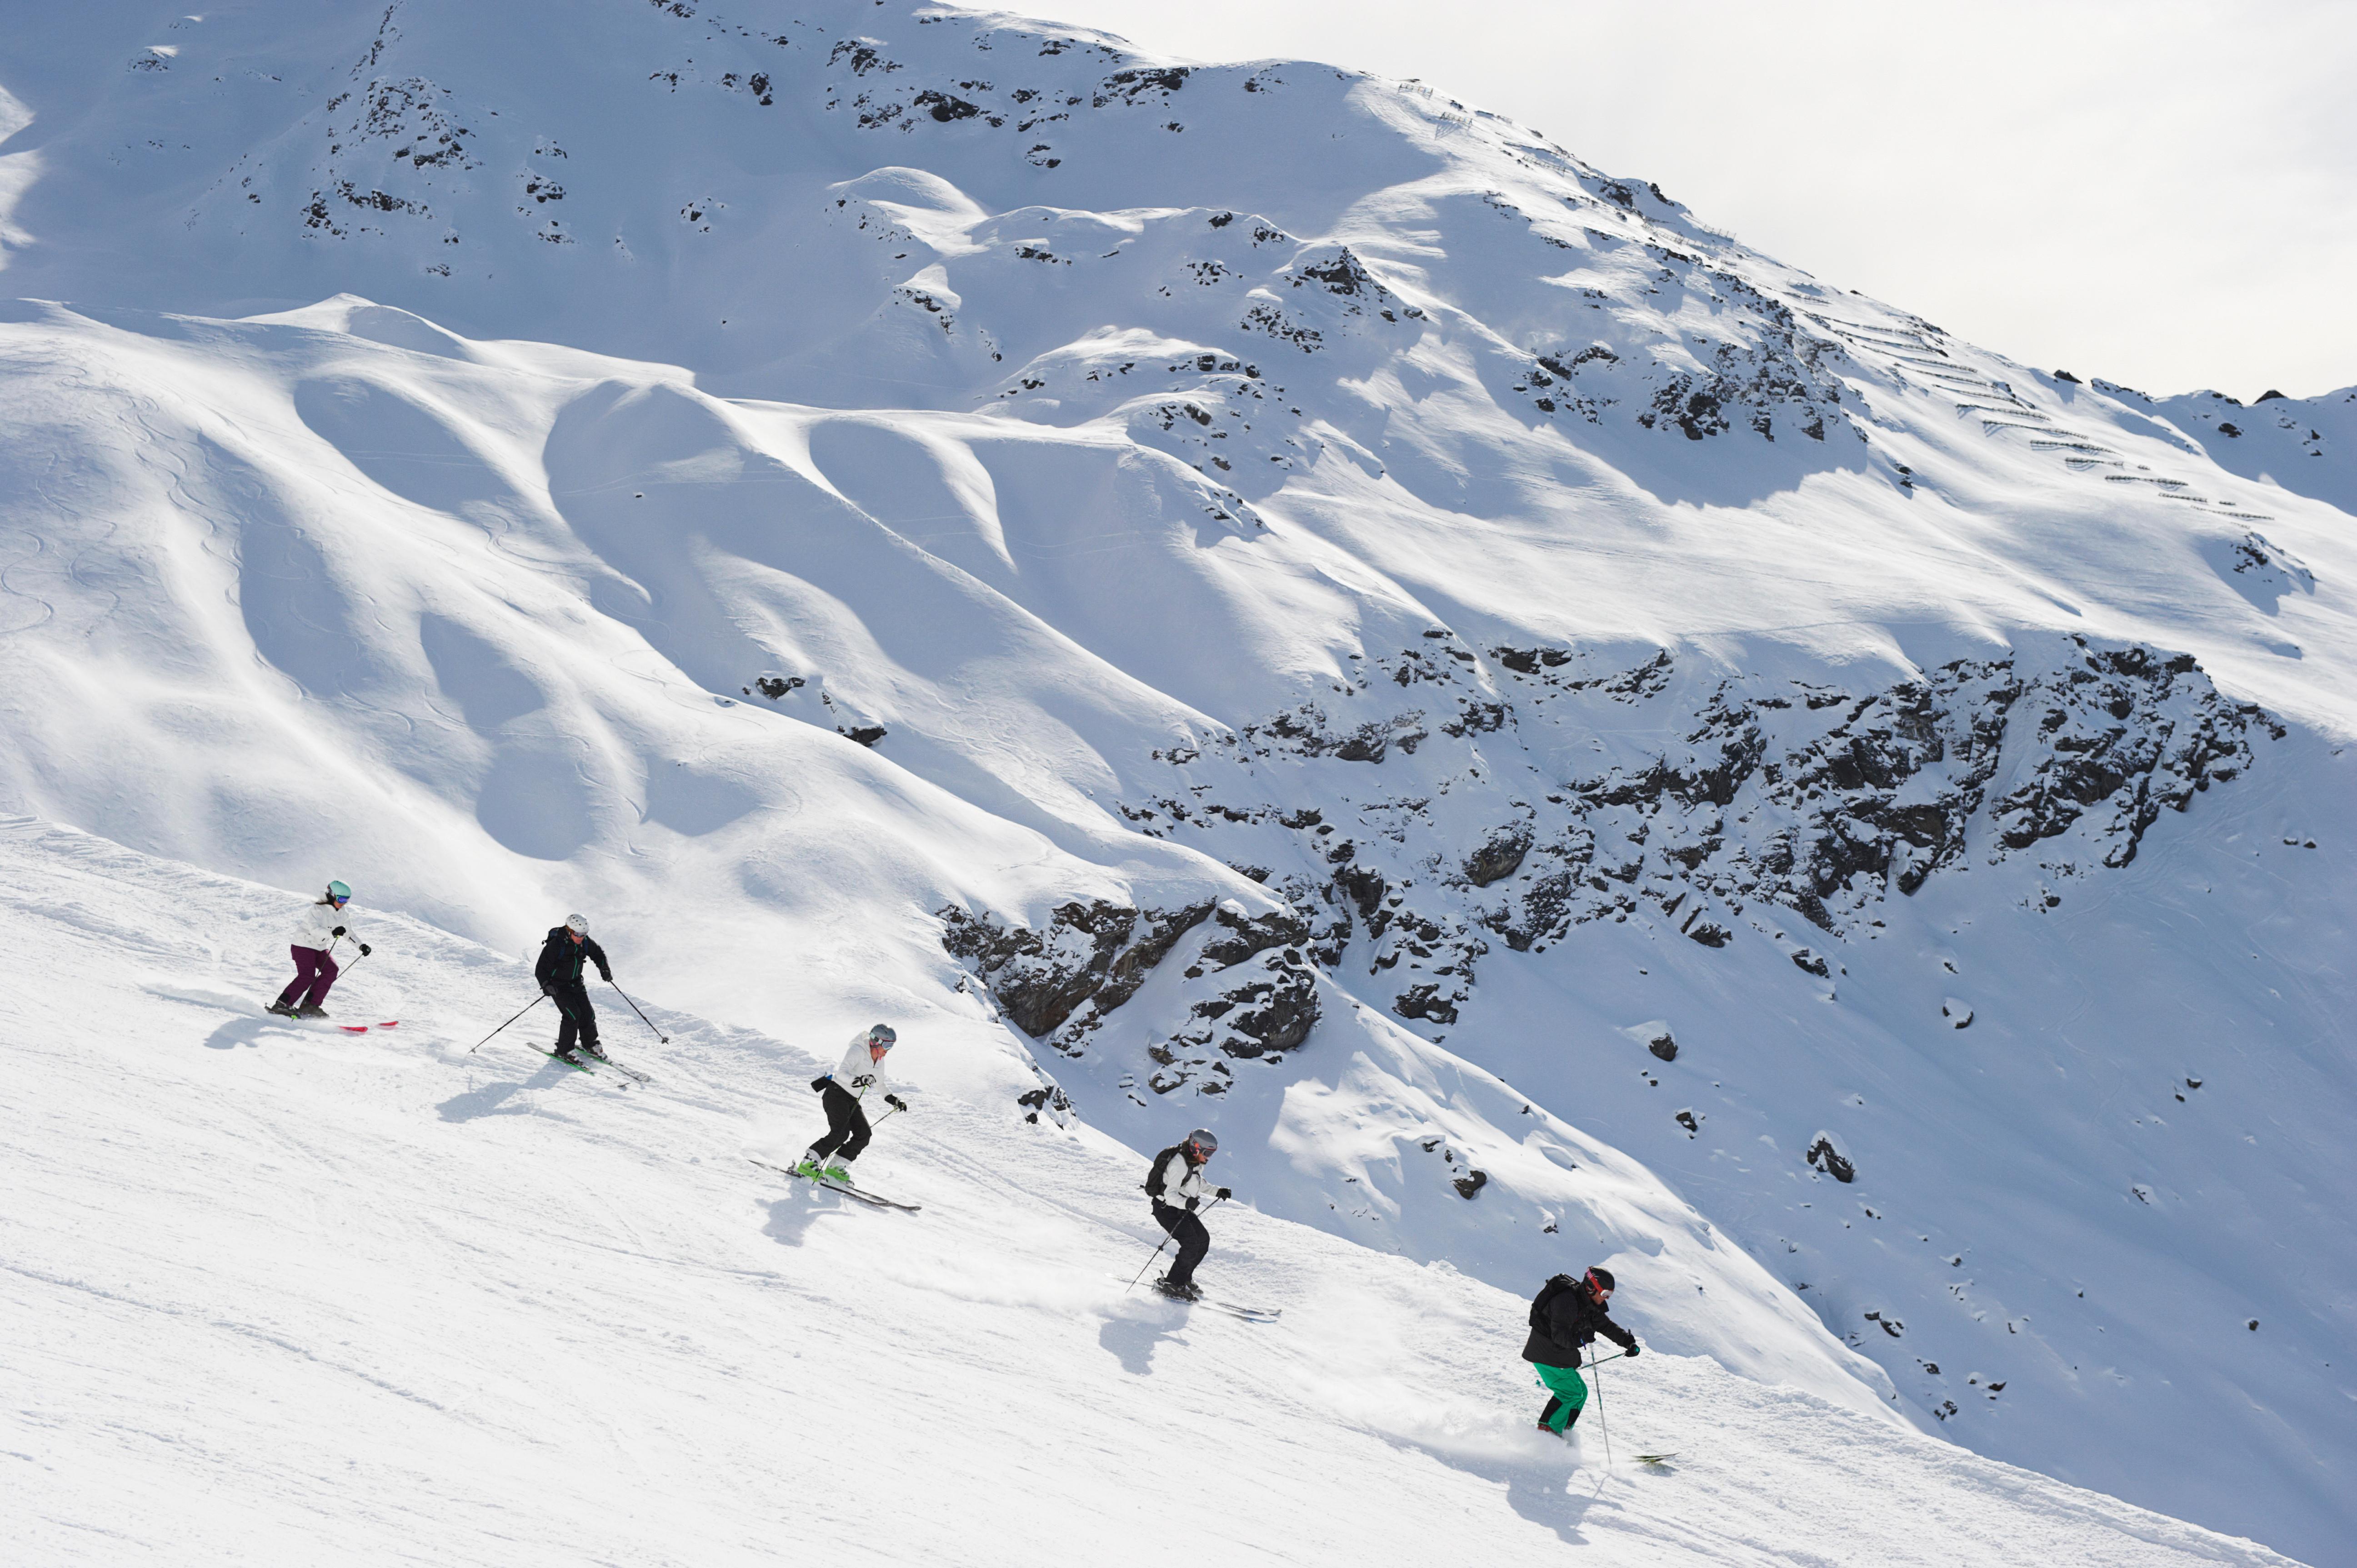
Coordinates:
x,y
1204,1140
1600,1277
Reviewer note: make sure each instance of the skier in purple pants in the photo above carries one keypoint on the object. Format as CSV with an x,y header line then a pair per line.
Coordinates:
x,y
323,924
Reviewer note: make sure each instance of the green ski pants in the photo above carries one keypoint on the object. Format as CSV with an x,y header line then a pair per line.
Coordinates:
x,y
1568,1394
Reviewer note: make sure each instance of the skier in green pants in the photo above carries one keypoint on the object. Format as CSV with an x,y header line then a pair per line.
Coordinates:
x,y
1564,1316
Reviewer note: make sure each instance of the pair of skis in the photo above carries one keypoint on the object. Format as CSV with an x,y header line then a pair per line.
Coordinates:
x,y
1234,1309
629,1072
875,1199
347,1028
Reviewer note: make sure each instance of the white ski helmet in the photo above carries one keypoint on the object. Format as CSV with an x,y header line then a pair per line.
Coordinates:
x,y
579,923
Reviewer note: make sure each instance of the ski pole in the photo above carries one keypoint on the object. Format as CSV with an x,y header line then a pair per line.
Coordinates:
x,y
527,1007
1600,1426
1158,1251
649,1023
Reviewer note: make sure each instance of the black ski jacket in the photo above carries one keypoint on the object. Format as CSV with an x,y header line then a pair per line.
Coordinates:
x,y
1566,1323
561,959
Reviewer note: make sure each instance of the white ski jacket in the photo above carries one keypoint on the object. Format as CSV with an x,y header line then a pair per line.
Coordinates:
x,y
1182,1184
315,927
858,1075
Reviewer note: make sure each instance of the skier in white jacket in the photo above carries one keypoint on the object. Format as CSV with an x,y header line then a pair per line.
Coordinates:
x,y
1175,1183
842,1091
323,923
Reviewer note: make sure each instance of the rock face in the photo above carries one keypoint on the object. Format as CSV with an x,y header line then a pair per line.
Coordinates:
x,y
1253,992
1097,953
1752,796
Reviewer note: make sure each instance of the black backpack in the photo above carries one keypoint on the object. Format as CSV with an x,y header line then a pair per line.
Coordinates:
x,y
1548,1293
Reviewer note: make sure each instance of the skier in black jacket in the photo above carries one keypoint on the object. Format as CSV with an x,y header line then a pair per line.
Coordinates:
x,y
562,959
1566,1315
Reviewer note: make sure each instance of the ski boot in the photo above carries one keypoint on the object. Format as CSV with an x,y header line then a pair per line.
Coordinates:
x,y
841,1173
564,1053
310,1010
593,1049
1186,1289
284,1009
809,1169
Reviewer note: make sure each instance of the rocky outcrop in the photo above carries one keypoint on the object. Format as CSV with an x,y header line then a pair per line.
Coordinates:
x,y
1253,989
1759,796
1096,953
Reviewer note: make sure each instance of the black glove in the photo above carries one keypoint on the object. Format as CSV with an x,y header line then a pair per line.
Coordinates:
x,y
895,1102
337,932
548,990
609,974
1190,1205
1223,1192
364,950
1632,1348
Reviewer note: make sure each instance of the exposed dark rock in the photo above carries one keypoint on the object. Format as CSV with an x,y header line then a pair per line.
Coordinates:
x,y
1822,1156
1501,856
1425,1001
1086,954
1474,1181
1664,1046
1815,963
1710,933
1240,937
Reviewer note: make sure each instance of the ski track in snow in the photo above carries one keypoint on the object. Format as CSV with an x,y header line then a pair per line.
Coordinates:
x,y
273,1293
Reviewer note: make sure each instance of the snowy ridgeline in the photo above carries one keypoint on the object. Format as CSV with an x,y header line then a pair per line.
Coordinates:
x,y
280,1294
1247,596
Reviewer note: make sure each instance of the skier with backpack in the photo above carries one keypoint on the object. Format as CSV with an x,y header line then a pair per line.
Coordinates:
x,y
841,1091
562,959
320,927
1565,1315
1175,1183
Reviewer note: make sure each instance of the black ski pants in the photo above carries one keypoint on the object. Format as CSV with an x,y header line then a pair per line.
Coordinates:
x,y
846,1123
579,1019
1192,1239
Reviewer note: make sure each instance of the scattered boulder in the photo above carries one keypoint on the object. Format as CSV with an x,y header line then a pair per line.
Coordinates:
x,y
1474,1181
1826,1157
1499,857
1958,1013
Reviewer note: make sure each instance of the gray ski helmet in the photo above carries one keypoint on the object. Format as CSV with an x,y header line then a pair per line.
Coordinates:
x,y
882,1034
1204,1139
339,890
577,923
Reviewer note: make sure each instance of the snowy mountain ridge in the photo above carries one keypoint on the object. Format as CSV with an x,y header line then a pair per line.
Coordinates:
x,y
1285,602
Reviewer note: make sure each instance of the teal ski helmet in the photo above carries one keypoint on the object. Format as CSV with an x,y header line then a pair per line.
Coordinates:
x,y
339,891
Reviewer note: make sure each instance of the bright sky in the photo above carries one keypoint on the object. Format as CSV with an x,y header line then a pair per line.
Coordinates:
x,y
2159,192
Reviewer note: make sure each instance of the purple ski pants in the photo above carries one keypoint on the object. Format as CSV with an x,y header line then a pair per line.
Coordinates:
x,y
315,971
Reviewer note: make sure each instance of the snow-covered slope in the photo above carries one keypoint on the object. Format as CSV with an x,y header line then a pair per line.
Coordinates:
x,y
2305,445
277,1293
1252,595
